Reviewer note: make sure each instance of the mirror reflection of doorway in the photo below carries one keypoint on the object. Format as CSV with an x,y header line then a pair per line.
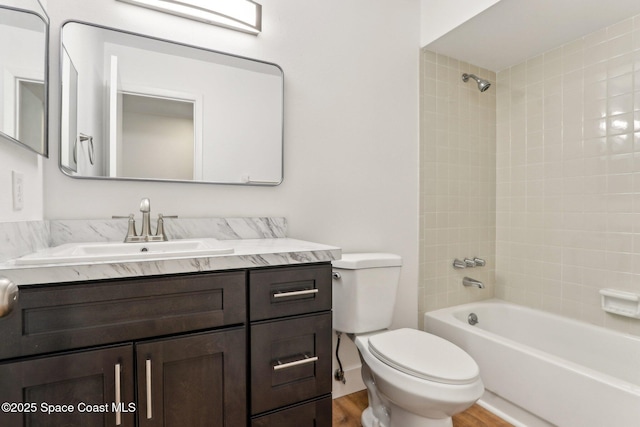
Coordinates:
x,y
157,137
30,113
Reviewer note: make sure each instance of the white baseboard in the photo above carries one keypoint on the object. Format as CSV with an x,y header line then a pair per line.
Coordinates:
x,y
353,383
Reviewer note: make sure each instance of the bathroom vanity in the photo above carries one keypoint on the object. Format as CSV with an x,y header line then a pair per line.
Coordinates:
x,y
220,346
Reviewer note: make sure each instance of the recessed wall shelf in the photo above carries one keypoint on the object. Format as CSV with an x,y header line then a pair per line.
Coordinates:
x,y
621,303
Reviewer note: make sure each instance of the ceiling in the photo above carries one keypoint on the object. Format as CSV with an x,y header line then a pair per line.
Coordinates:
x,y
511,31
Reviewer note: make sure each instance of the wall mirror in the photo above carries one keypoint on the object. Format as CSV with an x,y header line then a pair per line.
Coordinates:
x,y
136,107
23,83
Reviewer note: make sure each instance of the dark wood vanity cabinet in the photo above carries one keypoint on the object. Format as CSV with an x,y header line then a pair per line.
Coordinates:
x,y
155,351
179,350
290,330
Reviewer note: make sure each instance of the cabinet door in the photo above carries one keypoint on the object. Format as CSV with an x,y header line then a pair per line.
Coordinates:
x,y
197,380
89,389
290,361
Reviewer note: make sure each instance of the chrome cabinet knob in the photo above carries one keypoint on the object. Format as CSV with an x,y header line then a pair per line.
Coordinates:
x,y
8,296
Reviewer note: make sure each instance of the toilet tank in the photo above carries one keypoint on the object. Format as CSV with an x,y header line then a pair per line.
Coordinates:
x,y
364,291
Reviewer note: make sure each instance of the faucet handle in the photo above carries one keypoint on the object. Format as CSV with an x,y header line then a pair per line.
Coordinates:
x,y
131,230
160,228
469,262
479,262
459,264
160,216
130,216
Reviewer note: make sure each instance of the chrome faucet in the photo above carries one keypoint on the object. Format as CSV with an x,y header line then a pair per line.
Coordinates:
x,y
145,234
468,281
145,208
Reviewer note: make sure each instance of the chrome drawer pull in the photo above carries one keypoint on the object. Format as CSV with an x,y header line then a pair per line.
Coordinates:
x,y
148,372
295,293
304,361
118,394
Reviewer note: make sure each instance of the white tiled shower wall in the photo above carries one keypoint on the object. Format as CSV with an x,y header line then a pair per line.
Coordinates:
x,y
567,157
457,187
568,176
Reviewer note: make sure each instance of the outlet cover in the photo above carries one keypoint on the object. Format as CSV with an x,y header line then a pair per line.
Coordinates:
x,y
18,190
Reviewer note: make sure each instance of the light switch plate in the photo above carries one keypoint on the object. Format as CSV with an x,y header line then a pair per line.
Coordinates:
x,y
18,190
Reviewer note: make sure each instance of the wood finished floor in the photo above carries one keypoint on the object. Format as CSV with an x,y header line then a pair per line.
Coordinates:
x,y
347,410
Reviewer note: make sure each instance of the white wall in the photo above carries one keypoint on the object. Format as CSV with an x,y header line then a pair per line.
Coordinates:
x,y
351,127
438,17
16,158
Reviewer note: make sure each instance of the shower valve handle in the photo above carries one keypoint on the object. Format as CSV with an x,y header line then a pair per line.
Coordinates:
x,y
468,263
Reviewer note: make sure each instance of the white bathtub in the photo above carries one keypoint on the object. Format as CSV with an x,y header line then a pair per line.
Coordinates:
x,y
559,371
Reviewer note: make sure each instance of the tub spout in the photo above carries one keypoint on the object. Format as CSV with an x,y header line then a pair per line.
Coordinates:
x,y
468,281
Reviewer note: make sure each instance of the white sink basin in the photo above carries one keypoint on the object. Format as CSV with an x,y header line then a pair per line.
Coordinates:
x,y
113,251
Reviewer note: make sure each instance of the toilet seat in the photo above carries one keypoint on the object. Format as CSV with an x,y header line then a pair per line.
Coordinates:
x,y
424,356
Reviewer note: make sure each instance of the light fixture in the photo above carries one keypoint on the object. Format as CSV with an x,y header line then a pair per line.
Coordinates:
x,y
241,15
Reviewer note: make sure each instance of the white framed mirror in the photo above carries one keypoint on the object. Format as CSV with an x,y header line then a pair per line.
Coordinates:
x,y
141,108
24,32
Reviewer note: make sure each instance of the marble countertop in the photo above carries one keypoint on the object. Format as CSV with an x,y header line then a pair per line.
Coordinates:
x,y
248,253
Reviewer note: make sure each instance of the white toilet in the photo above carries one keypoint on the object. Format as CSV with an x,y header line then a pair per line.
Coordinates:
x,y
413,378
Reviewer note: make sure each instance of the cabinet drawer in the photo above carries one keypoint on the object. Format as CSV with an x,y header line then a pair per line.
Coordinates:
x,y
61,317
312,414
289,291
290,361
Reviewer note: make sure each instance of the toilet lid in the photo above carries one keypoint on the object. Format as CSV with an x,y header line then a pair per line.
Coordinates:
x,y
425,356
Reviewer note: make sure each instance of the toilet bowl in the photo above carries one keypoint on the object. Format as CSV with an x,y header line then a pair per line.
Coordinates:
x,y
423,379
413,378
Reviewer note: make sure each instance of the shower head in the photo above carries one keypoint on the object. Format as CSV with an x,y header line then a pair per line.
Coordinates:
x,y
482,83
